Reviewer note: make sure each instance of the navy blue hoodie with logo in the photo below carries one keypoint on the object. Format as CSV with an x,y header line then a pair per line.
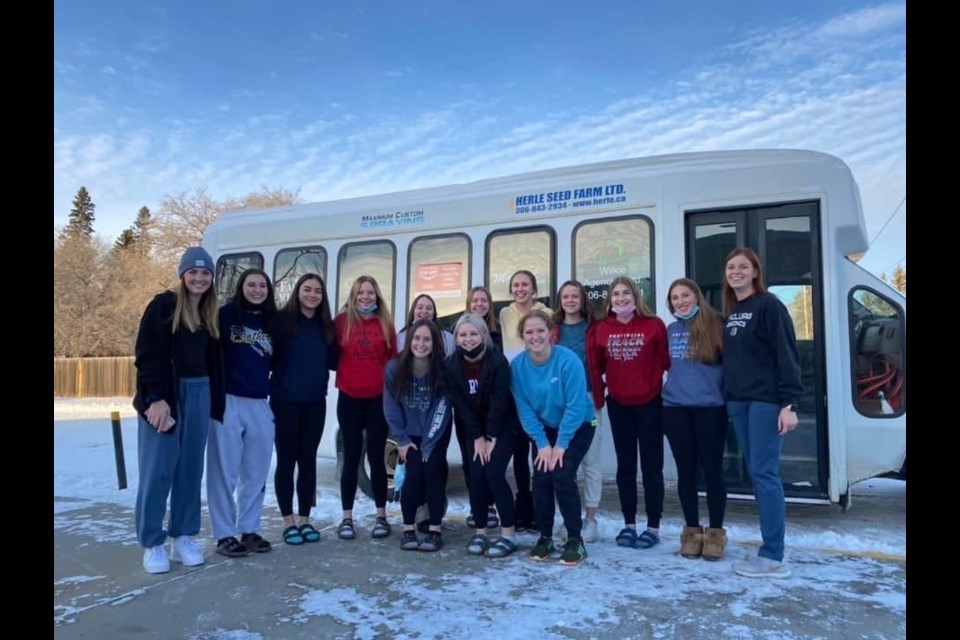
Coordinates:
x,y
760,358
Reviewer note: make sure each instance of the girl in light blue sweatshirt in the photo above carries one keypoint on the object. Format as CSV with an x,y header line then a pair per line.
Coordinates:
x,y
548,384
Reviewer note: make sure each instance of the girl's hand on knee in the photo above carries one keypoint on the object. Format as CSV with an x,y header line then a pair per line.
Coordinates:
x,y
402,451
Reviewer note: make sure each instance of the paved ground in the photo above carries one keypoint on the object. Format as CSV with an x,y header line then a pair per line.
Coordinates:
x,y
847,583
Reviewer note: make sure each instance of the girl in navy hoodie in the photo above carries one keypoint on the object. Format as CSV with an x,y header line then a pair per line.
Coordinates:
x,y
695,415
368,340
239,449
628,355
761,382
305,352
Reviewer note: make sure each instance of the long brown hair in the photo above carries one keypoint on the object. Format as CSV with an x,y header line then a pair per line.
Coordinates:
x,y
643,311
349,308
729,295
404,379
586,309
293,311
491,318
706,328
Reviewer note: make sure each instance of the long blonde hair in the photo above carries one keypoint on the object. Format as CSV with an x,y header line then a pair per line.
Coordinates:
x,y
203,316
349,309
642,311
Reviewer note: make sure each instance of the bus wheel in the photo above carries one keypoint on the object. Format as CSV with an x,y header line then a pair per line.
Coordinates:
x,y
390,456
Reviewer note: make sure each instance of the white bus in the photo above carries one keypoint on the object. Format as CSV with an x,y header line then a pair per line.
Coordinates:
x,y
654,219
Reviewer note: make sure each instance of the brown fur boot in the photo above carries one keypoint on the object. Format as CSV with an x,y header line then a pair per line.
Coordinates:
x,y
691,542
714,544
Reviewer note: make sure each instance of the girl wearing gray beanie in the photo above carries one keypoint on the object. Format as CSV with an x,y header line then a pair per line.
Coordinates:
x,y
179,389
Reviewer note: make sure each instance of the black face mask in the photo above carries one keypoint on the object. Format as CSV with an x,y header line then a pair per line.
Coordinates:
x,y
474,353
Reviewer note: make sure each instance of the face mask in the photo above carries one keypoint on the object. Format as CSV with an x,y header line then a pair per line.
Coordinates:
x,y
474,353
367,310
626,312
693,311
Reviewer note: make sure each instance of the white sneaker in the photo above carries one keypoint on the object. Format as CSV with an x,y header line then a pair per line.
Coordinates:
x,y
589,532
761,567
155,560
186,551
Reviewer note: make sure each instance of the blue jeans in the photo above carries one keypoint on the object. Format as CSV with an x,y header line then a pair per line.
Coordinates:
x,y
171,465
755,424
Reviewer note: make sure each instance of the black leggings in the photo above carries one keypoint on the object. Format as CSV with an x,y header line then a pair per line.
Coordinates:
x,y
356,415
638,427
525,512
299,429
697,436
424,479
488,482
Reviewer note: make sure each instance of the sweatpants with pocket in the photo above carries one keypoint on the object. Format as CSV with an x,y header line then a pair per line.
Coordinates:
x,y
239,450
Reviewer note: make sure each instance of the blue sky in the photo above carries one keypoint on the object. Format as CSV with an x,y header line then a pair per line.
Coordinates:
x,y
342,99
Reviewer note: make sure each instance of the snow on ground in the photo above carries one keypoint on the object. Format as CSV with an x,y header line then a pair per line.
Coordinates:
x,y
829,556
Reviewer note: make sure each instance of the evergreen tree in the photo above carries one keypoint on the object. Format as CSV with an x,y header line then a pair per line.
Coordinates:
x,y
141,226
81,215
126,240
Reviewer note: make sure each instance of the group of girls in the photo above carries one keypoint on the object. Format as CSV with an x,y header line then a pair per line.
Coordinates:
x,y
526,386
235,381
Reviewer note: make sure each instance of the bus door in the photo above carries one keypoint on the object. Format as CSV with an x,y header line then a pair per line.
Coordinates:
x,y
786,237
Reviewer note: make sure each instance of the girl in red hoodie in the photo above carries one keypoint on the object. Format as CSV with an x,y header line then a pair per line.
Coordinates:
x,y
627,354
367,340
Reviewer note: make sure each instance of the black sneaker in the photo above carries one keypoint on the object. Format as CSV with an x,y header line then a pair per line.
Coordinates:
x,y
573,552
255,542
232,548
433,542
543,549
409,541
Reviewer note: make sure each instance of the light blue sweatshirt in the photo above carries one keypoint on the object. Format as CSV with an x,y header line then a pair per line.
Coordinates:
x,y
551,394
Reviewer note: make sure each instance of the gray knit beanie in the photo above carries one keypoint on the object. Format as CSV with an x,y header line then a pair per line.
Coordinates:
x,y
195,258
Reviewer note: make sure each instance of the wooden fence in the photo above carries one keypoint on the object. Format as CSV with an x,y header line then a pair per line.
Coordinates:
x,y
94,377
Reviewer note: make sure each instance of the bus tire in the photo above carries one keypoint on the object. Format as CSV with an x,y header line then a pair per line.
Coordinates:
x,y
390,455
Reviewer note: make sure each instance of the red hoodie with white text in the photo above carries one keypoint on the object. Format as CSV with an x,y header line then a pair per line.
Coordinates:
x,y
633,356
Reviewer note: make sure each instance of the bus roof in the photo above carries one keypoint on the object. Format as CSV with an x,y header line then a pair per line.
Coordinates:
x,y
700,177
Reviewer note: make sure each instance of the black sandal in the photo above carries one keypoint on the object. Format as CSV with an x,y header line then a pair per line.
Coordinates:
x,y
381,529
345,529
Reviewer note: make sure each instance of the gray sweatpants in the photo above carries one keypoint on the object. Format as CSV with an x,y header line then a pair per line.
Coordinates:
x,y
238,460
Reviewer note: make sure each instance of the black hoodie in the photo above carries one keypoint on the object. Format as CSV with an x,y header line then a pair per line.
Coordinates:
x,y
500,412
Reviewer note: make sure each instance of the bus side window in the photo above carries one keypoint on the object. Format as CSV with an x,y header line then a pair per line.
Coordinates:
x,y
605,249
229,268
876,334
290,264
440,267
533,249
377,258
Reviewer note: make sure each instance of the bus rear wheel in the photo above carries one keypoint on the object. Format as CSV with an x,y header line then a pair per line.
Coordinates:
x,y
390,458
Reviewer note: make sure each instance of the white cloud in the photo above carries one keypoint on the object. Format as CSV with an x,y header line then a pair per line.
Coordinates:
x,y
838,87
